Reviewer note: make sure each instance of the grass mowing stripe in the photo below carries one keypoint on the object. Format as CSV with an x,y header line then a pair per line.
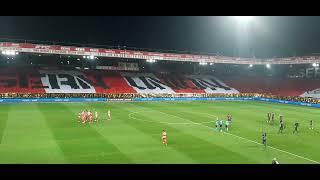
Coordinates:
x,y
254,141
33,131
304,143
139,146
80,144
27,139
272,147
185,141
4,109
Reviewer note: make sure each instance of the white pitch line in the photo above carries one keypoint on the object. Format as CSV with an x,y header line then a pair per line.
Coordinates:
x,y
274,148
246,138
268,146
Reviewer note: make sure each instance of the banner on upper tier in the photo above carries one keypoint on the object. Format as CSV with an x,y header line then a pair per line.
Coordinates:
x,y
211,84
149,83
312,94
60,81
146,83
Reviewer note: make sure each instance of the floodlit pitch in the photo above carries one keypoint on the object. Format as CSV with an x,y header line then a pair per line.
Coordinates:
x,y
51,133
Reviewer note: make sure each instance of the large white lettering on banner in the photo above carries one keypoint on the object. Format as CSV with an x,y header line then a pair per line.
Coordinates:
x,y
60,81
313,94
146,83
211,84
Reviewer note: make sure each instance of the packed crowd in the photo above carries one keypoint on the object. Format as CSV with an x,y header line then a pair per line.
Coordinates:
x,y
129,96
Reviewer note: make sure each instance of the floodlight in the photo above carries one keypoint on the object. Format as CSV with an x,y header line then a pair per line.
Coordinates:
x,y
268,66
151,60
250,65
9,52
244,19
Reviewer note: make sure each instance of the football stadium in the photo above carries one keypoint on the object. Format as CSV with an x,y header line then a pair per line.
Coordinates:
x,y
63,103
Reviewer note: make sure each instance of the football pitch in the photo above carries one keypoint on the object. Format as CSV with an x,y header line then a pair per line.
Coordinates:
x,y
50,133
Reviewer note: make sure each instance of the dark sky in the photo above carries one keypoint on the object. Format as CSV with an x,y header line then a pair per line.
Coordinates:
x,y
264,37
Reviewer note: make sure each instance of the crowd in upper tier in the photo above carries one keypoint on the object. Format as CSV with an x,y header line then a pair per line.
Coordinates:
x,y
129,96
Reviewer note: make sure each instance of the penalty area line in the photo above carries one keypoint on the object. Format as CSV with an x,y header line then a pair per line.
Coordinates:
x,y
248,139
273,148
262,144
283,151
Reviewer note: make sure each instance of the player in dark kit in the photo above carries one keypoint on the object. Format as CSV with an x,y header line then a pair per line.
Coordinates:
x,y
221,123
296,125
311,124
217,123
280,127
269,116
280,118
264,139
272,118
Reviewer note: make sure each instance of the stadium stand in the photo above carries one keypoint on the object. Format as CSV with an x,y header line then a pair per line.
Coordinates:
x,y
276,86
55,82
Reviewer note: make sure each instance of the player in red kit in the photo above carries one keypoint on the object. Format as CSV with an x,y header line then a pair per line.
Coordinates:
x,y
79,117
90,116
109,115
96,116
83,117
164,138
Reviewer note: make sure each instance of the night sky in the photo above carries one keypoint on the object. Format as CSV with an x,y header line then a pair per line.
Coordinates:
x,y
264,37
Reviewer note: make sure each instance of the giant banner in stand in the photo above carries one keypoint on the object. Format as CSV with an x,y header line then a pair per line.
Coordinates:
x,y
107,82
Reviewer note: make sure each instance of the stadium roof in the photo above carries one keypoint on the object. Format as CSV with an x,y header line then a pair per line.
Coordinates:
x,y
8,47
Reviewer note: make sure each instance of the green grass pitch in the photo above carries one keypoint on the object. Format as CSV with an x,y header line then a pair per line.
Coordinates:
x,y
50,133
